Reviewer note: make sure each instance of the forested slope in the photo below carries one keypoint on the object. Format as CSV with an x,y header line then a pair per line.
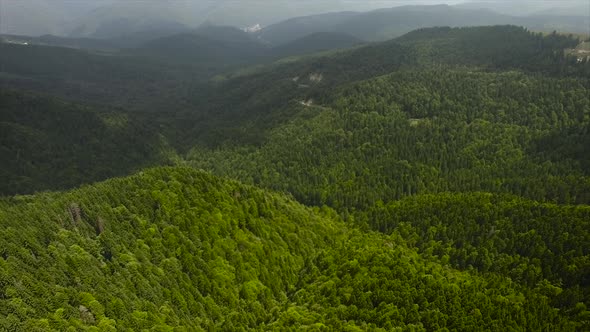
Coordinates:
x,y
541,245
419,131
472,122
495,47
133,82
241,107
178,248
46,143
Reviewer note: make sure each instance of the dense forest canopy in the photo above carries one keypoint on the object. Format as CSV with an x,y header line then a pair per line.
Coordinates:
x,y
178,248
437,181
51,144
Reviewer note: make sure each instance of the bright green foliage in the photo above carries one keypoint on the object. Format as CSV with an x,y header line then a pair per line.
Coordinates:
x,y
170,247
383,286
177,248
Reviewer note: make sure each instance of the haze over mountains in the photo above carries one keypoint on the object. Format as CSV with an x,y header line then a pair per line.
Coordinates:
x,y
111,18
532,7
388,23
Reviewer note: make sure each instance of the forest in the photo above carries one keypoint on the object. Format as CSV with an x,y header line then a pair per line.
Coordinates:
x,y
179,249
438,181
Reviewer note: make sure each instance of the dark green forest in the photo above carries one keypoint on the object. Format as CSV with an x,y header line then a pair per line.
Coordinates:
x,y
434,182
47,143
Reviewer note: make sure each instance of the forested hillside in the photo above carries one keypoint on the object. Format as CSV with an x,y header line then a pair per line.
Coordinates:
x,y
438,181
471,120
541,245
238,108
47,143
132,82
177,248
423,131
151,78
423,128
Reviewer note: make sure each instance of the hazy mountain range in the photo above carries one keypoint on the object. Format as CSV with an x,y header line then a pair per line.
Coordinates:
x,y
115,18
388,23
